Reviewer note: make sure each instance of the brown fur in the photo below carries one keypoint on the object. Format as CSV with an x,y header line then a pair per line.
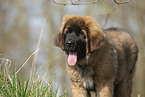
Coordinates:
x,y
110,65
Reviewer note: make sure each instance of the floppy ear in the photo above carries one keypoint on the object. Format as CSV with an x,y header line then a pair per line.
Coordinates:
x,y
96,42
95,33
59,38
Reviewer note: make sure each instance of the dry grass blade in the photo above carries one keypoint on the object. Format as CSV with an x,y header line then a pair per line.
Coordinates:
x,y
10,79
25,62
35,57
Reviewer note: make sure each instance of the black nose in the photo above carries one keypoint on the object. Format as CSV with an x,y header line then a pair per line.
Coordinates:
x,y
70,43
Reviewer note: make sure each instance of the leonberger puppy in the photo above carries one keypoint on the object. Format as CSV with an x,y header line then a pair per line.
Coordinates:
x,y
100,63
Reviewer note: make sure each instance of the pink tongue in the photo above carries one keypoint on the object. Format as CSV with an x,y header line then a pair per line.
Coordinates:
x,y
72,59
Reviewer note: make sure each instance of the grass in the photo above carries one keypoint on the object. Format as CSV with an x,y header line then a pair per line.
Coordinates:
x,y
16,87
12,85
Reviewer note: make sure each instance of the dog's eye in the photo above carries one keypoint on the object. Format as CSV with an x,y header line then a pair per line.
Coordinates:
x,y
67,31
82,33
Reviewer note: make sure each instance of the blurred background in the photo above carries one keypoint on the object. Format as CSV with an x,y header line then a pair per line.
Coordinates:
x,y
26,25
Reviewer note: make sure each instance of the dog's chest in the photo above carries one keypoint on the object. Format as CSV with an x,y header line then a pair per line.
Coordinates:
x,y
86,74
88,83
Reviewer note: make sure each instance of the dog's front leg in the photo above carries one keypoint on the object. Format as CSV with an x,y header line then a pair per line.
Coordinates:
x,y
106,90
78,90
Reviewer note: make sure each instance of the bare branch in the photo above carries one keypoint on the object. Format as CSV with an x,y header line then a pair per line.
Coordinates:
x,y
76,2
125,2
107,14
110,11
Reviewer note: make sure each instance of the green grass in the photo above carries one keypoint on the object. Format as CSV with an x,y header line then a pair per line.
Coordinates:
x,y
14,86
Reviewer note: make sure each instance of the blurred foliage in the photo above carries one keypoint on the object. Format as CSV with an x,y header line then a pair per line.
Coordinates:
x,y
21,22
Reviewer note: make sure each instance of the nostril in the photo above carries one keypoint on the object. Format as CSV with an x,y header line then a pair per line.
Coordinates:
x,y
70,43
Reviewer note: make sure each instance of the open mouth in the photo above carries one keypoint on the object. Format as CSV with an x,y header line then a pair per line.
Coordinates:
x,y
72,58
75,53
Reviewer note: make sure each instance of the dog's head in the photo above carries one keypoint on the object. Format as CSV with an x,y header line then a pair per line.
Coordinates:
x,y
78,36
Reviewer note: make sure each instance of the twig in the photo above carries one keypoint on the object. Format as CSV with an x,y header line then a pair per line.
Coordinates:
x,y
73,3
125,2
107,14
26,62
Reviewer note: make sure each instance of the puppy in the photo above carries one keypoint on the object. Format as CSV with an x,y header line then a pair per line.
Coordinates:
x,y
101,63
